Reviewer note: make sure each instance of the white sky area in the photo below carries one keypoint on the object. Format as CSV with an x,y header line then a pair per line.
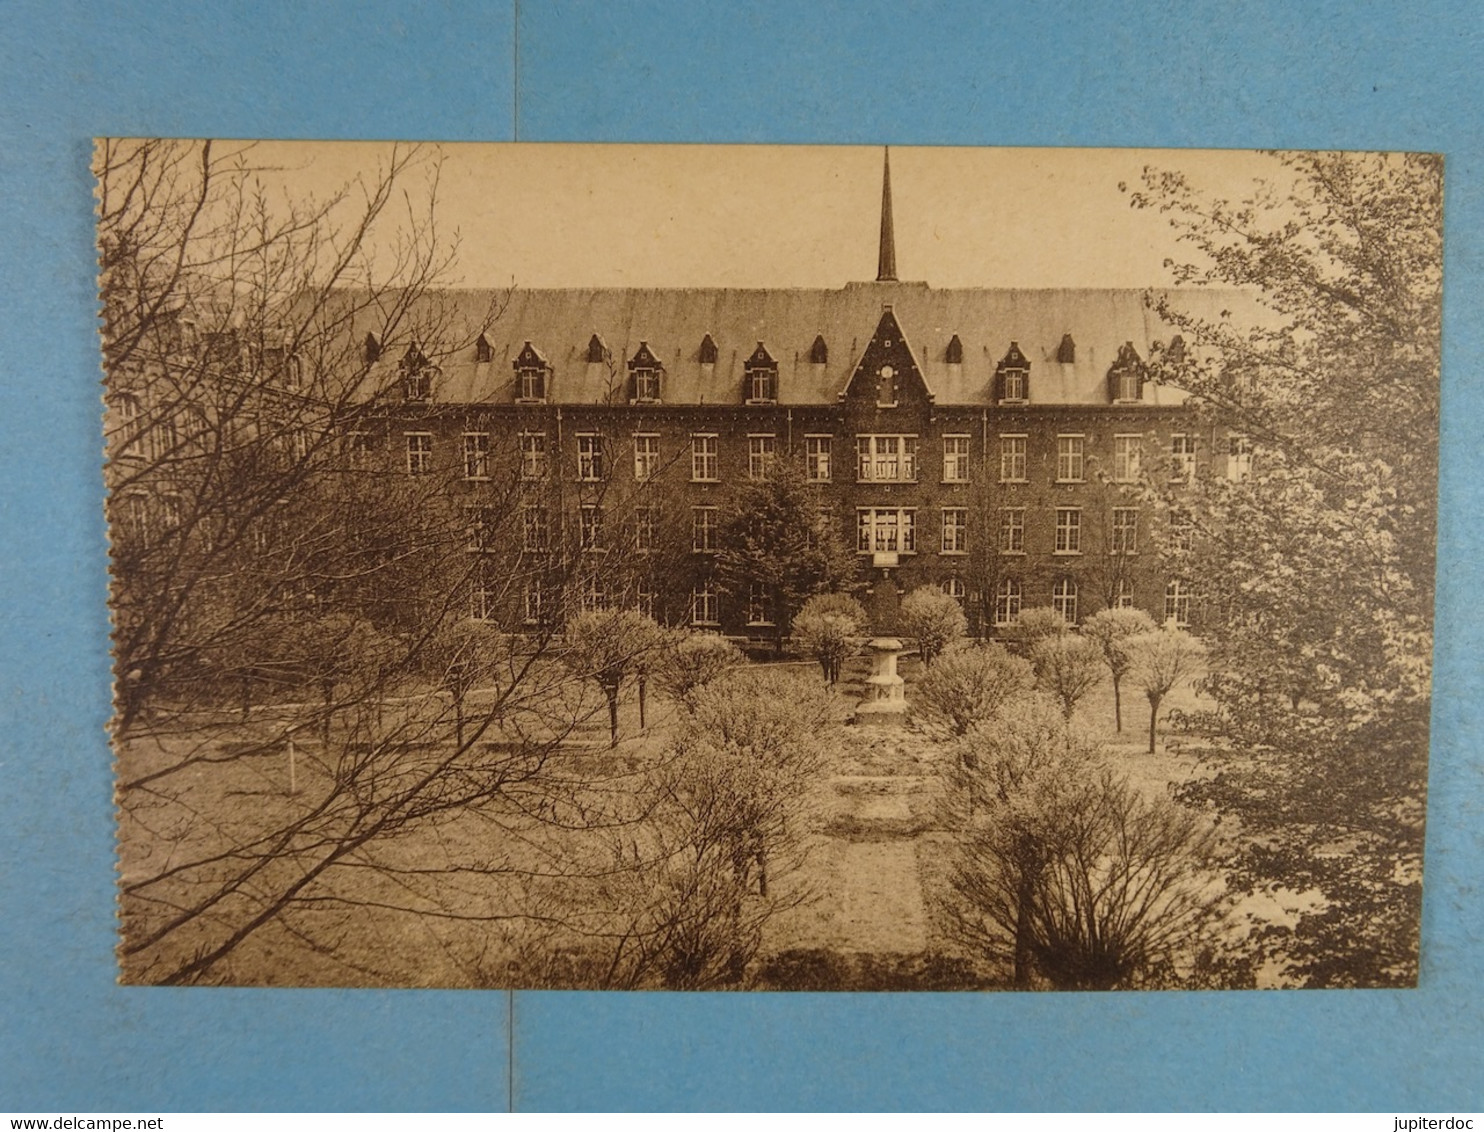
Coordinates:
x,y
784,216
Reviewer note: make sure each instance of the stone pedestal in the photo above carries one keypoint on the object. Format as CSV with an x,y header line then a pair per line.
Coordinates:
x,y
885,701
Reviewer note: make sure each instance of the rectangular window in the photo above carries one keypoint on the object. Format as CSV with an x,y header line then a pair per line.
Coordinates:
x,y
1127,451
644,525
1068,530
955,530
532,383
762,385
703,605
886,459
419,453
1012,530
761,451
482,596
954,588
590,516
817,458
1182,530
646,597
535,528
532,602
594,595
1012,459
1069,459
703,530
479,527
1182,457
759,604
1007,599
703,458
646,455
646,384
533,455
476,455
131,437
1239,458
955,459
886,529
1123,594
357,448
1125,530
589,457
1014,388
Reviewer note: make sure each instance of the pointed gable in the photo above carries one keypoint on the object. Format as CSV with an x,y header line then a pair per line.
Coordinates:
x,y
483,351
819,353
760,377
597,350
1066,353
954,355
1126,375
708,351
1012,376
887,373
645,372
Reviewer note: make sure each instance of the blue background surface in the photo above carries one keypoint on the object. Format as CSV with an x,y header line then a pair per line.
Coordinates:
x,y
1368,76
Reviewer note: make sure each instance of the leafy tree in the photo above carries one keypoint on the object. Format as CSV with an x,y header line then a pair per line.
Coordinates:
x,y
726,816
1111,628
776,534
1071,875
1035,624
1160,660
1067,667
934,619
828,627
612,647
1317,568
969,685
691,661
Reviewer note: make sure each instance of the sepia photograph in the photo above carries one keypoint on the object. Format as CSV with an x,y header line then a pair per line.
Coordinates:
x,y
769,568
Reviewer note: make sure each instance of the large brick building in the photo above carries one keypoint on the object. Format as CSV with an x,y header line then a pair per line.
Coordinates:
x,y
984,440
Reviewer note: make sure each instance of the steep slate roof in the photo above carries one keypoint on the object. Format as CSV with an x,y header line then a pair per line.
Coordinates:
x,y
560,324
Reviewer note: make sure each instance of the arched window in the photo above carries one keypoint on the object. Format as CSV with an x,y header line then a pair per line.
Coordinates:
x,y
1007,602
1064,599
1177,603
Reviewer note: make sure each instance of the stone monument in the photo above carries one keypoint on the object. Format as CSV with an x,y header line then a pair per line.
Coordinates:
x,y
885,702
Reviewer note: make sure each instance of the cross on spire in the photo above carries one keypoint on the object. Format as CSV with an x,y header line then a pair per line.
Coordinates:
x,y
886,263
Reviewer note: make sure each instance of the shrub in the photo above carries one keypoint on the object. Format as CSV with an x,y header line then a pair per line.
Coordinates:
x,y
969,685
935,619
1067,667
827,627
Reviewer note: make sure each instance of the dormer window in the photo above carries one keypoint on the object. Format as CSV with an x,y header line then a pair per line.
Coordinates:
x,y
1126,376
531,370
372,349
954,355
819,353
1012,377
483,351
761,377
644,376
417,374
708,351
1066,353
597,351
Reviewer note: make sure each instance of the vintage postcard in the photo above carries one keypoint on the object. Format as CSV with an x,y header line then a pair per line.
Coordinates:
x,y
769,568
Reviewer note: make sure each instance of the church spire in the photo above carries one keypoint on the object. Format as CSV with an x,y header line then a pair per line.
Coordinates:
x,y
886,263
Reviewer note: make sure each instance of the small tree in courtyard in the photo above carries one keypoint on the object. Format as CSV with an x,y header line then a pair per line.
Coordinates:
x,y
1071,875
827,627
1034,624
969,685
935,619
1067,667
1160,660
1111,629
690,661
611,647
